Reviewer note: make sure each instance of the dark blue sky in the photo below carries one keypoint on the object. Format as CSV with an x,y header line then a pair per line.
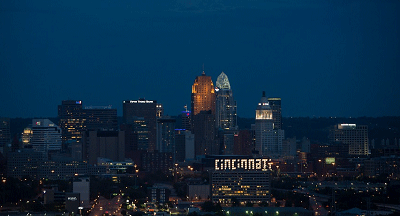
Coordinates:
x,y
323,58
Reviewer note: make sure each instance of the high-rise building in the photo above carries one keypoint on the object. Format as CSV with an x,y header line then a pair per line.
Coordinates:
x,y
226,116
140,134
46,136
5,136
105,144
186,120
166,135
203,94
184,142
146,109
275,104
204,131
243,142
26,137
356,136
101,118
71,120
203,119
268,140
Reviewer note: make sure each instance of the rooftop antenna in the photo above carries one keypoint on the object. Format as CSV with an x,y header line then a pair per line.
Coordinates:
x,y
203,70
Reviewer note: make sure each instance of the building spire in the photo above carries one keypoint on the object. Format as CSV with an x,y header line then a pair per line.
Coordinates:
x,y
263,94
203,71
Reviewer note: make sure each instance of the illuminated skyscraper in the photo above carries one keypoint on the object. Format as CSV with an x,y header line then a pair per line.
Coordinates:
x,y
203,94
356,136
226,117
268,140
203,119
275,104
71,120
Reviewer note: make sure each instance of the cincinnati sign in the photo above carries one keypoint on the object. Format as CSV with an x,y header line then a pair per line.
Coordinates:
x,y
247,164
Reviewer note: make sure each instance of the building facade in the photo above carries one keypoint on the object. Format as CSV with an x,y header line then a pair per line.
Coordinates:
x,y
226,114
203,94
166,136
356,136
71,120
46,136
268,140
145,110
5,136
204,134
104,144
101,118
245,180
275,104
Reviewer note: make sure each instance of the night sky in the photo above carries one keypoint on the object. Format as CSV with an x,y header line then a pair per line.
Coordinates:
x,y
323,58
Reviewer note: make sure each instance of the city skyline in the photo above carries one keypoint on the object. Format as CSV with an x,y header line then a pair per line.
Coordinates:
x,y
322,58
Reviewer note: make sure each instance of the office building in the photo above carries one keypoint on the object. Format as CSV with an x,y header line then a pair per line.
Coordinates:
x,y
46,136
166,135
268,140
100,118
275,104
146,109
184,142
243,142
5,136
105,144
186,120
71,121
203,95
26,137
356,136
245,179
23,162
204,131
226,116
159,194
141,133
226,141
156,162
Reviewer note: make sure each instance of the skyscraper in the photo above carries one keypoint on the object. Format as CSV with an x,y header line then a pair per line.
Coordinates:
x,y
166,135
71,120
226,117
203,94
146,109
275,104
203,119
101,118
204,134
268,140
5,136
356,136
46,136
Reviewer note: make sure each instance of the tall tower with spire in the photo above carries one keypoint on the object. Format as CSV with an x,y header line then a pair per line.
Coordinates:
x,y
203,94
268,139
203,112
226,116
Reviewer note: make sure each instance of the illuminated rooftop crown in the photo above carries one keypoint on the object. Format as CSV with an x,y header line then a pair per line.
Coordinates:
x,y
264,103
223,82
